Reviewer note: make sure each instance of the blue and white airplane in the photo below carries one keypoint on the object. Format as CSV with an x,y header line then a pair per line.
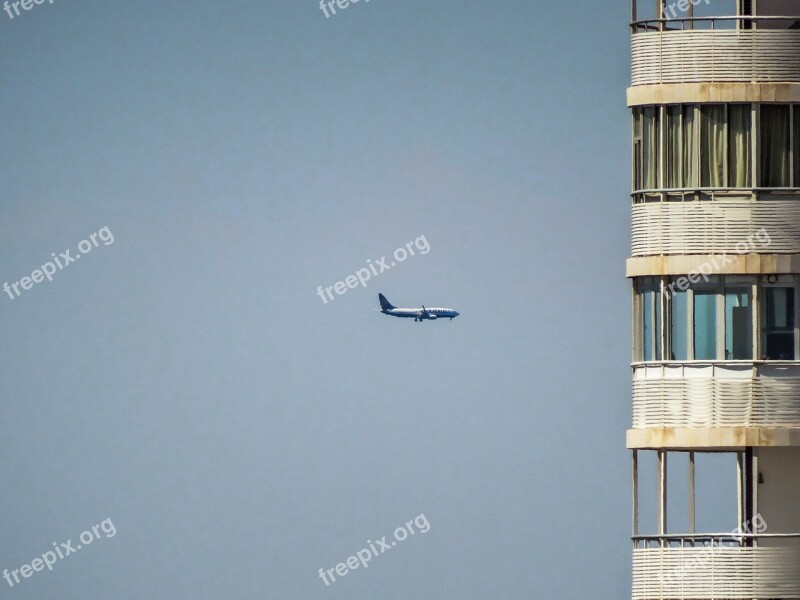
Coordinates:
x,y
418,314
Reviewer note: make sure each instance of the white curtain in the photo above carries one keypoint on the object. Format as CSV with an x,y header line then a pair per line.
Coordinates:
x,y
712,145
674,156
739,145
691,177
650,147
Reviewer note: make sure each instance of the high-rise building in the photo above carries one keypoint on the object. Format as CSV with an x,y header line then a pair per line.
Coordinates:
x,y
715,269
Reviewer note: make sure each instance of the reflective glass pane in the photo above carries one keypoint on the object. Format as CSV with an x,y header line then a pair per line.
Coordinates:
x,y
705,325
779,326
738,324
678,327
774,145
797,146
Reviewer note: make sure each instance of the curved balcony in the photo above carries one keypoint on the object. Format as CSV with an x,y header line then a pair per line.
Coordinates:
x,y
714,227
716,395
716,566
715,49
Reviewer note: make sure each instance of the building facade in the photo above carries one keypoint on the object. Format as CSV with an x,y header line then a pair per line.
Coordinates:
x,y
715,268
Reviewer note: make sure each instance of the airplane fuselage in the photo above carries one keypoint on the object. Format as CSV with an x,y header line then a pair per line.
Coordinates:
x,y
418,314
421,314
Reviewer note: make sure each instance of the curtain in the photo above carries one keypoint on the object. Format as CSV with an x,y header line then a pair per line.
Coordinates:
x,y
712,145
774,145
690,163
650,147
739,145
674,158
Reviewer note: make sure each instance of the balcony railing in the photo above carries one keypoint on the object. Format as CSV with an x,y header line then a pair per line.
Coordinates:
x,y
716,49
721,23
715,226
716,566
716,395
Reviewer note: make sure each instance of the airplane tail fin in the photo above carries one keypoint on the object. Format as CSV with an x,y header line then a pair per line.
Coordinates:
x,y
385,304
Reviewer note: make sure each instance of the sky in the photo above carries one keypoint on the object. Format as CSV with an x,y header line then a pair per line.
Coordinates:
x,y
186,383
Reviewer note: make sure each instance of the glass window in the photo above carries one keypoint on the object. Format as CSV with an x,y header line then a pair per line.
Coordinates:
x,y
775,145
637,149
739,145
650,154
777,8
681,150
650,298
712,145
797,145
678,327
705,325
674,147
738,324
691,174
779,323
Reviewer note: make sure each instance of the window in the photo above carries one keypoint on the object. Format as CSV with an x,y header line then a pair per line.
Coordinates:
x,y
706,146
738,324
796,146
740,145
681,151
679,328
674,157
715,320
650,146
649,297
775,145
705,325
779,323
712,145
777,8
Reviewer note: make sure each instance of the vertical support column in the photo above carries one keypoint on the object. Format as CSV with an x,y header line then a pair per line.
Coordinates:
x,y
740,488
635,498
662,493
754,494
747,484
692,520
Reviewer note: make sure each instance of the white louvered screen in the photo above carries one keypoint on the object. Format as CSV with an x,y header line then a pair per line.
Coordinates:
x,y
714,227
690,397
719,572
712,56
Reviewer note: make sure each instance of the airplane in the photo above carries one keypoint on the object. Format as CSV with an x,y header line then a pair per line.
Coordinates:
x,y
419,314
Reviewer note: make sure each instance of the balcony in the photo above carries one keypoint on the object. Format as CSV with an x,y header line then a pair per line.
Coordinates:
x,y
716,395
716,49
716,566
714,226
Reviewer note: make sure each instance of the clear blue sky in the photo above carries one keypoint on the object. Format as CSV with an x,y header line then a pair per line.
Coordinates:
x,y
187,382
